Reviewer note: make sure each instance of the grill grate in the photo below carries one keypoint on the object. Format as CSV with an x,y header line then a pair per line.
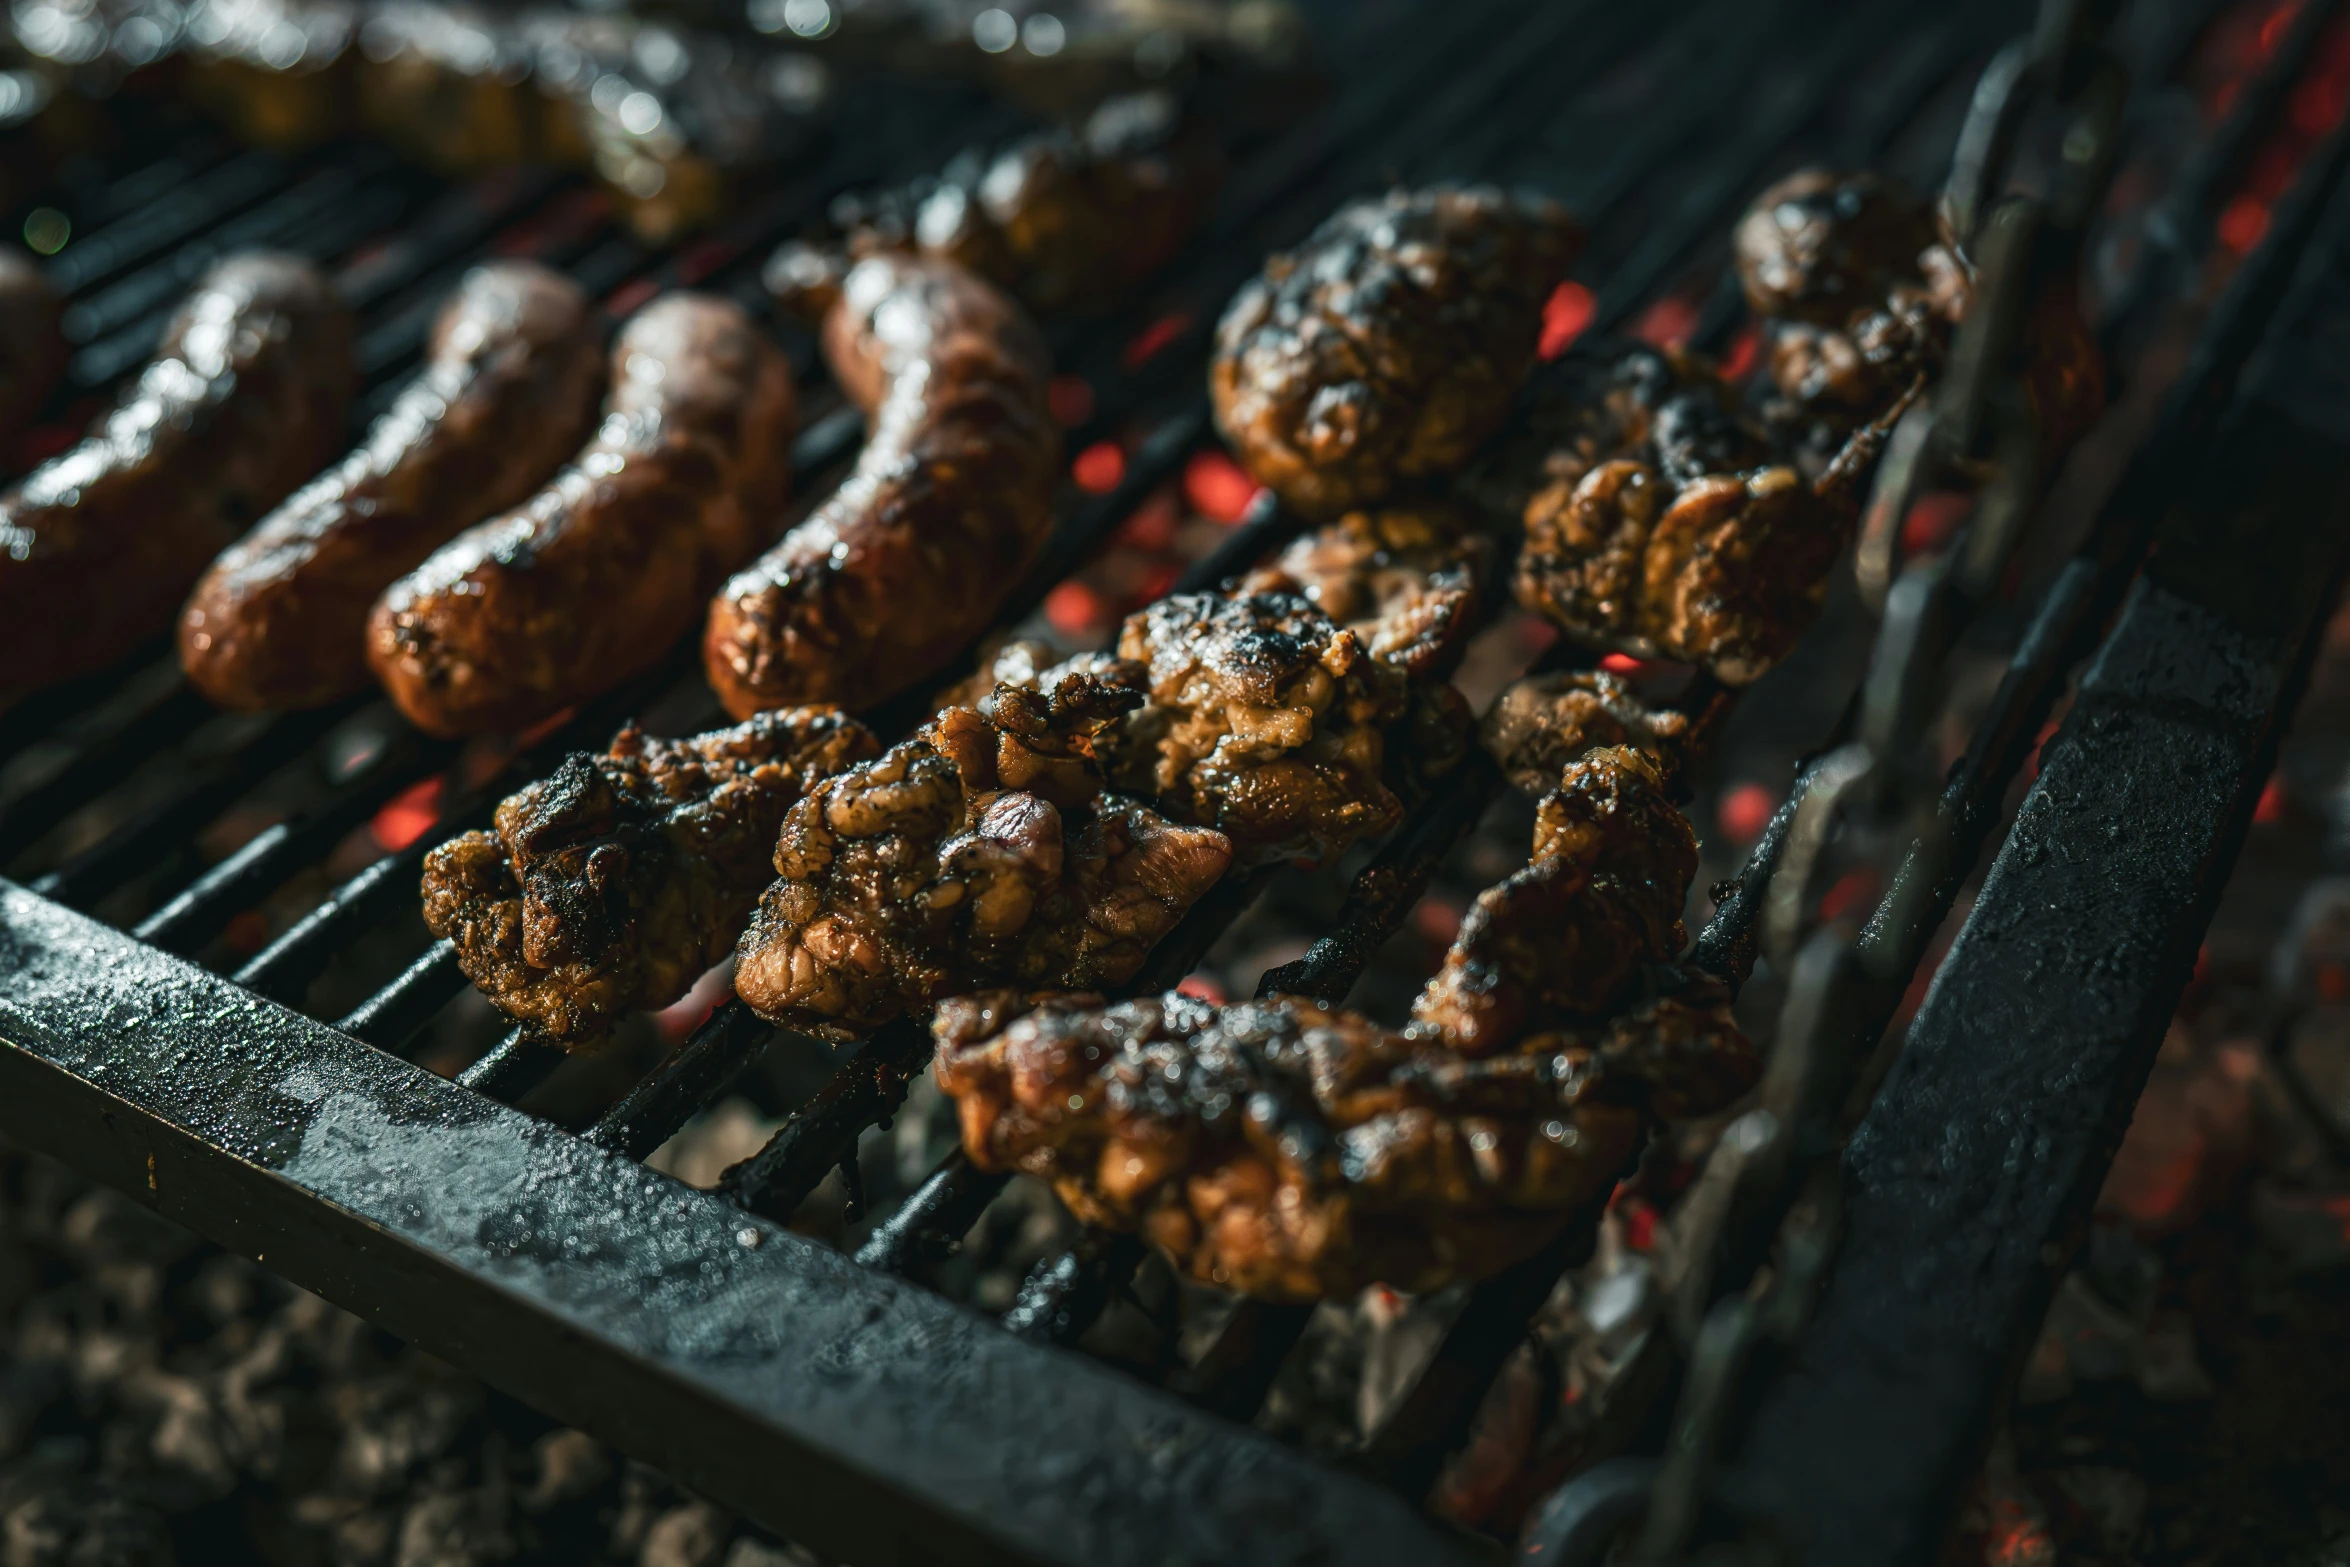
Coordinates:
x,y
870,1419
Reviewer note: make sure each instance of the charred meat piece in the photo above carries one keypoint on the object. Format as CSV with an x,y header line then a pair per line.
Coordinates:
x,y
1644,529
596,575
1543,723
950,501
1265,721
32,350
1063,221
615,883
1389,346
513,373
1819,246
1405,582
1289,1150
1567,936
982,852
246,398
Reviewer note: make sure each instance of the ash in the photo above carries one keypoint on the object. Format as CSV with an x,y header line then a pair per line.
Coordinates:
x,y
164,1402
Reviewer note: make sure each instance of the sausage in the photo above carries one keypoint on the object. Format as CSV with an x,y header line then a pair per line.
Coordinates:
x,y
249,395
32,350
596,575
513,373
949,503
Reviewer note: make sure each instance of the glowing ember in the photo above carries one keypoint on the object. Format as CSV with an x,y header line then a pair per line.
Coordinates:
x,y
408,816
1075,610
1217,487
1853,892
1745,811
624,301
1201,988
1437,919
1667,323
1622,664
2274,801
1155,339
1933,520
1099,467
1744,351
1070,397
1566,315
1153,525
2243,222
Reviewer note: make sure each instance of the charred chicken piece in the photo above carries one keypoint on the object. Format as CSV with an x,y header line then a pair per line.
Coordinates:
x,y
614,884
1820,246
513,372
1063,221
1645,531
982,852
1289,1150
594,577
1567,936
245,399
950,501
1265,721
1405,582
1543,723
32,350
1388,347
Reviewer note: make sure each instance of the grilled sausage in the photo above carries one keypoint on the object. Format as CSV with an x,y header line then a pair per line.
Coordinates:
x,y
512,376
948,505
592,578
247,398
31,349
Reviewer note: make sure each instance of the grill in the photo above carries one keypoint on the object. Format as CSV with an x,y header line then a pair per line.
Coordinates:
x,y
837,1400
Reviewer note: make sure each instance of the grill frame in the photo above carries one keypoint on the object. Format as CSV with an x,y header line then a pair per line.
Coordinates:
x,y
91,1085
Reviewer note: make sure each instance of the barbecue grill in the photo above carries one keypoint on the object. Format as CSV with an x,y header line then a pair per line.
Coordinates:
x,y
840,1402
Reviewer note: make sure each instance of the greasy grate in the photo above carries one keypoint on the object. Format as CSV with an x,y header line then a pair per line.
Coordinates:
x,y
863,1416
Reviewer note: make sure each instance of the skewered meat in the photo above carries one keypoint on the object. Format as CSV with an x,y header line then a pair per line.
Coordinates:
x,y
1063,221
1819,246
616,882
32,351
595,576
950,501
1289,1150
1389,346
1644,529
513,372
1544,722
245,399
1405,582
982,852
1567,935
1265,722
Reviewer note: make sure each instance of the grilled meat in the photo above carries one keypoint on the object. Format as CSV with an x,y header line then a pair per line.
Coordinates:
x,y
1819,246
513,373
32,350
1404,581
1063,221
245,399
615,883
1542,723
1645,527
1566,936
982,852
1389,346
596,575
950,501
1290,1150
1265,722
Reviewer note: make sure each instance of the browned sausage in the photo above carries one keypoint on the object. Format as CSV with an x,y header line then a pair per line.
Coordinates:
x,y
513,373
593,578
948,505
31,349
248,397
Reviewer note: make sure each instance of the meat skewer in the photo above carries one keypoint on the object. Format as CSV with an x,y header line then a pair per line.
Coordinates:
x,y
1389,346
605,567
247,397
950,501
984,851
615,883
513,374
32,350
1292,1150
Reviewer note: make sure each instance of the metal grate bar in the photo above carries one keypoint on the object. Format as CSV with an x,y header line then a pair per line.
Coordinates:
x,y
513,1066
396,1014
701,1069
